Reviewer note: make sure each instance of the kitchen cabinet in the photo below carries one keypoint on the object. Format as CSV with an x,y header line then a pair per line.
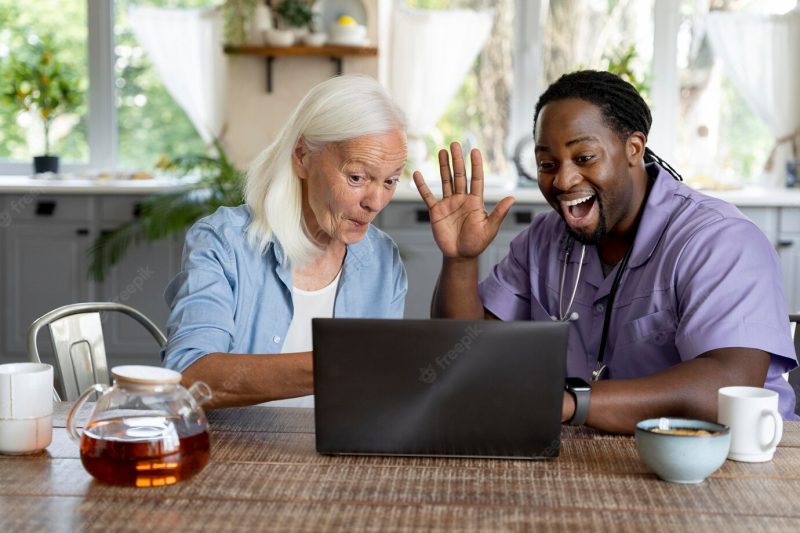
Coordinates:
x,y
788,244
46,239
138,281
408,224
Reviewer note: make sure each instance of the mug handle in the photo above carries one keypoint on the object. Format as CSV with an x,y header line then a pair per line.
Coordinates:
x,y
778,420
72,430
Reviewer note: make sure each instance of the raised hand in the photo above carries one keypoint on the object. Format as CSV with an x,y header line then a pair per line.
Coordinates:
x,y
461,226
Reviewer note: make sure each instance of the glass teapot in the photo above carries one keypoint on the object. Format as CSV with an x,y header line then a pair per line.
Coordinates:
x,y
146,430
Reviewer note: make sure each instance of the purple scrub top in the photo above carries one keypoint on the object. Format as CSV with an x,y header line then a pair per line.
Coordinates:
x,y
701,276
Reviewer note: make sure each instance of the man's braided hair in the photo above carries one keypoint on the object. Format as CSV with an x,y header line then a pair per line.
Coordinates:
x,y
623,108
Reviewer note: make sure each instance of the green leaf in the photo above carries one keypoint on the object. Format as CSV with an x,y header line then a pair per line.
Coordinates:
x,y
170,214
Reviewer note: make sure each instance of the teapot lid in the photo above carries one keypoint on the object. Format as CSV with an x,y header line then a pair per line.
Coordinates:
x,y
147,375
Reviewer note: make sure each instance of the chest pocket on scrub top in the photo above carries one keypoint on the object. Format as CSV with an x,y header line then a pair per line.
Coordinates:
x,y
655,329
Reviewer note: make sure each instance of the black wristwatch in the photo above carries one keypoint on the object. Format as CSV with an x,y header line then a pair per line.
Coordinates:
x,y
580,391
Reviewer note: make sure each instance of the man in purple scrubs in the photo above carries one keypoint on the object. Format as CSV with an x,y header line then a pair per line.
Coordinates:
x,y
672,294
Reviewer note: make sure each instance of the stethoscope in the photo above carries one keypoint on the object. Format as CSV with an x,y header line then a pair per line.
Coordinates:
x,y
569,315
564,316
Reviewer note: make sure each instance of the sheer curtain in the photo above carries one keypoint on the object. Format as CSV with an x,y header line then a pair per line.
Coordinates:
x,y
759,54
430,53
185,46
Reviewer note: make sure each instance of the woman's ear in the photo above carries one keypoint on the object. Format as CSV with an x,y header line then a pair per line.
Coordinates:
x,y
634,148
299,154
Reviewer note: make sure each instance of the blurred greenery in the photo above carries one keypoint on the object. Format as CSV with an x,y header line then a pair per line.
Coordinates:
x,y
34,80
21,21
168,214
463,120
745,139
622,62
149,122
296,13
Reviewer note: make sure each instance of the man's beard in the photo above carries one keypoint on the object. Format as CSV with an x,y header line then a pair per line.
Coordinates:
x,y
600,231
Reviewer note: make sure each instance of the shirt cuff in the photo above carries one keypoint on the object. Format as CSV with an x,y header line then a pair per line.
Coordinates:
x,y
181,353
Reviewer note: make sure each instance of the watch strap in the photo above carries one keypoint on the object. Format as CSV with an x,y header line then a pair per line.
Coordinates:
x,y
580,391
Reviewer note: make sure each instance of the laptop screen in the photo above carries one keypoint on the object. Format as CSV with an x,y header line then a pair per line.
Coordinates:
x,y
439,387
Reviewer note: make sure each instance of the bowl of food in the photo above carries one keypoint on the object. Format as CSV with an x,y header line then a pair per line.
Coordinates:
x,y
682,450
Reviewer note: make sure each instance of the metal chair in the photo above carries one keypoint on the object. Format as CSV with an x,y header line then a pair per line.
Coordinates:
x,y
80,353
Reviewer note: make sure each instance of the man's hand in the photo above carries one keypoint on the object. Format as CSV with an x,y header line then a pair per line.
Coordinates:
x,y
461,226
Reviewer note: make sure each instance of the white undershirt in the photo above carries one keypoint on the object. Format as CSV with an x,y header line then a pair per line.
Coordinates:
x,y
307,305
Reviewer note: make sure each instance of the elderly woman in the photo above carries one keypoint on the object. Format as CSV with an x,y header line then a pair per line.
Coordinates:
x,y
301,247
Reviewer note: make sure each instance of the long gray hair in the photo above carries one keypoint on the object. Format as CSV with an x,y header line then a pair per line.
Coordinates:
x,y
336,110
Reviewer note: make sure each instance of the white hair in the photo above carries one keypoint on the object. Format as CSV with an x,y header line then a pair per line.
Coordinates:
x,y
339,109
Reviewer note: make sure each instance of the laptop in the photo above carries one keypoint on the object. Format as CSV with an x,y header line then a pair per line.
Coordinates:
x,y
439,387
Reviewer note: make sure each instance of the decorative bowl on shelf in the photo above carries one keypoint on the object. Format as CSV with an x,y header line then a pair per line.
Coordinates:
x,y
275,37
315,39
346,31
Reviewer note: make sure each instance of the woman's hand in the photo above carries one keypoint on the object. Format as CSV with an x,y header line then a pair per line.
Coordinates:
x,y
461,226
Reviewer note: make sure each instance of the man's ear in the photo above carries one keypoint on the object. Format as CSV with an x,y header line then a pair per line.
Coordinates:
x,y
299,154
634,148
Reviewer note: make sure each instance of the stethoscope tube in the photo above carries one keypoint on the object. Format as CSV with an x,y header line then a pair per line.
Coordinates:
x,y
569,315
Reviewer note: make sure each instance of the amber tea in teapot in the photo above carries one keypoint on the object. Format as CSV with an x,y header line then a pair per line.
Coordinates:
x,y
146,430
143,452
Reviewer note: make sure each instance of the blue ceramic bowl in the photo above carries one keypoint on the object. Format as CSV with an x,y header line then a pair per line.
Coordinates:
x,y
682,458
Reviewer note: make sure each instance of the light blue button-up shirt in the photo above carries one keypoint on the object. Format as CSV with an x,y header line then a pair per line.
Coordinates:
x,y
229,298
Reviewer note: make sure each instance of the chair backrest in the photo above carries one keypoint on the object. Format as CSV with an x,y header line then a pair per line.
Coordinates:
x,y
794,375
77,335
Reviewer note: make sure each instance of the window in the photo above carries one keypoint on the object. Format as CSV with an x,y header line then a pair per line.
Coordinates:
x,y
149,121
478,115
25,23
126,120
720,141
657,45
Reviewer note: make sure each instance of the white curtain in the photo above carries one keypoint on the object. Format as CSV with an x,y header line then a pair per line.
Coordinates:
x,y
430,53
185,46
759,54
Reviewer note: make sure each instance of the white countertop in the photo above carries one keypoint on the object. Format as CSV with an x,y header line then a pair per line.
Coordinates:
x,y
24,185
406,191
749,197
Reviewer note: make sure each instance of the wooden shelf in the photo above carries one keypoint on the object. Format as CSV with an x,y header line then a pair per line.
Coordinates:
x,y
334,52
330,50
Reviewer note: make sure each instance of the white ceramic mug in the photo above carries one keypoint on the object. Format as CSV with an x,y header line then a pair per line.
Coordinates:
x,y
756,425
26,407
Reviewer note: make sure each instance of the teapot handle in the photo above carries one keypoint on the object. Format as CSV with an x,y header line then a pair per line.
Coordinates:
x,y
72,430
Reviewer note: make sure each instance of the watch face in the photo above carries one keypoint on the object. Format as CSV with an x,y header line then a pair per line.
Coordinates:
x,y
577,384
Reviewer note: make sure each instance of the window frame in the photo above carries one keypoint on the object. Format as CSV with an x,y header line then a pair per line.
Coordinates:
x,y
530,18
102,134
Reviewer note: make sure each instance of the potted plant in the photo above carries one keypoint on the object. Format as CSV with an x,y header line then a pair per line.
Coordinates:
x,y
238,17
35,81
297,14
164,215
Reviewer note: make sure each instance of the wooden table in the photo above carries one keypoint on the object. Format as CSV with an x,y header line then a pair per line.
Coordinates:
x,y
265,474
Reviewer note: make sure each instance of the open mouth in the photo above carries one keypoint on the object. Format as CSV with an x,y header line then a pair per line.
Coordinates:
x,y
578,209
